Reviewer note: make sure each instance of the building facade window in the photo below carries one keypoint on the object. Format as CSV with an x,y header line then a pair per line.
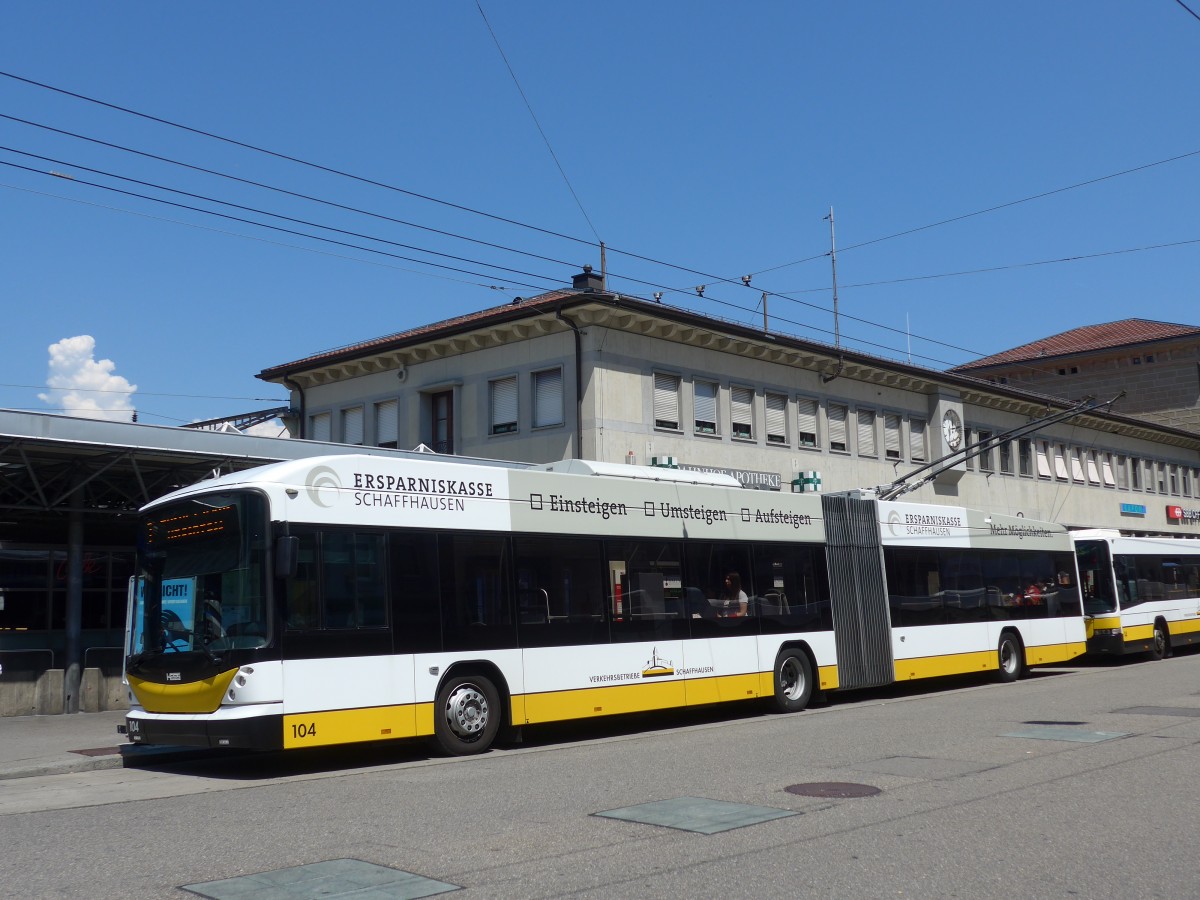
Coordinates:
x,y
775,418
1077,465
1060,462
741,413
441,408
502,403
1006,465
1135,473
1093,467
838,440
1043,459
806,421
1106,471
891,436
547,398
352,425
705,404
1122,473
666,401
968,442
387,423
866,433
985,453
1025,457
916,440
321,427
1173,477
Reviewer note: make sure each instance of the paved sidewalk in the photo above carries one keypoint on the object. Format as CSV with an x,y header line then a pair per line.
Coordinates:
x,y
53,745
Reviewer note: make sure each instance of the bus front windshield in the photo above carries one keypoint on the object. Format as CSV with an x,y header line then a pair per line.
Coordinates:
x,y
1096,577
202,586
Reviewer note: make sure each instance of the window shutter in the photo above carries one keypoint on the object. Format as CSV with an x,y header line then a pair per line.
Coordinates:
x,y
1060,463
806,421
321,430
837,428
1093,470
504,405
1076,466
1043,462
666,401
387,423
352,425
741,404
547,398
916,440
891,436
706,407
866,433
776,423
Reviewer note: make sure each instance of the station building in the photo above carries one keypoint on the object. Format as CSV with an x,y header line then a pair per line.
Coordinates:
x,y
594,374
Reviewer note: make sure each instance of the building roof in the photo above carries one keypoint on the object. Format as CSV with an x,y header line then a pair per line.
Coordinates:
x,y
1086,339
517,308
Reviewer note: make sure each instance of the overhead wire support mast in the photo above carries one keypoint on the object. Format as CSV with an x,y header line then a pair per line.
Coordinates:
x,y
902,485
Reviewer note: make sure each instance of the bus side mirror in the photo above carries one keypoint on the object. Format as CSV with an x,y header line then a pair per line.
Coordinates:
x,y
287,556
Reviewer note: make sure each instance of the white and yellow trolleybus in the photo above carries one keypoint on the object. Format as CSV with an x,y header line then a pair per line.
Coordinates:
x,y
1141,595
363,598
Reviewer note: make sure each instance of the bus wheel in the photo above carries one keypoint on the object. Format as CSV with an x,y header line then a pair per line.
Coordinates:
x,y
467,715
1012,662
1160,642
793,681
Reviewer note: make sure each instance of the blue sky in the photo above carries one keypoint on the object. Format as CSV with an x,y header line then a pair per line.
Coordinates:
x,y
711,136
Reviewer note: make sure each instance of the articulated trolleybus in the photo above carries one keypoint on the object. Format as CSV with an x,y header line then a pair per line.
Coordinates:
x,y
363,598
1142,595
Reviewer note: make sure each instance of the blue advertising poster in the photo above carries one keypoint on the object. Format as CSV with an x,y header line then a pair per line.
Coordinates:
x,y
178,614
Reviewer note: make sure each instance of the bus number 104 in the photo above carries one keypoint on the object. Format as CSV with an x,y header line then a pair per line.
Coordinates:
x,y
300,730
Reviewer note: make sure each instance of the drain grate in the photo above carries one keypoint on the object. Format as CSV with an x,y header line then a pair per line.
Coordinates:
x,y
333,878
697,814
835,789
1050,722
1066,734
98,751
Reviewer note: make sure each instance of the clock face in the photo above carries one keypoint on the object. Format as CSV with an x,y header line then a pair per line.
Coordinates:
x,y
952,430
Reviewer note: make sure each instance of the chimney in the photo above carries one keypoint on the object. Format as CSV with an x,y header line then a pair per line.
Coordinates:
x,y
587,281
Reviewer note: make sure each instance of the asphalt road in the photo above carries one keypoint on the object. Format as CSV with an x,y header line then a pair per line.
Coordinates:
x,y
964,808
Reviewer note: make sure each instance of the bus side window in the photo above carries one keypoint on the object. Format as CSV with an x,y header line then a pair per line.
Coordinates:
x,y
303,610
475,595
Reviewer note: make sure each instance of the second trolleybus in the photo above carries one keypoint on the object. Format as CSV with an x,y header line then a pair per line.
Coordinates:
x,y
362,598
1141,595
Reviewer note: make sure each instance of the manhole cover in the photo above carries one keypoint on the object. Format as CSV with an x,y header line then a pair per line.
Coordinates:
x,y
833,789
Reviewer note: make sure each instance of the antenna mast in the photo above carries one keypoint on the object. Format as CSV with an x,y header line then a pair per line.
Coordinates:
x,y
837,335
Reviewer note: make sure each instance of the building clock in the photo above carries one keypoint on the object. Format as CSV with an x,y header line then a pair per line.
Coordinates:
x,y
952,429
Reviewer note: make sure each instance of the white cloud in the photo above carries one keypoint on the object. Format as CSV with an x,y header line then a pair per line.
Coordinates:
x,y
80,385
272,428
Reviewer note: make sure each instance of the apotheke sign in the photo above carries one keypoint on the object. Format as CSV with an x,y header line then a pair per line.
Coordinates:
x,y
763,481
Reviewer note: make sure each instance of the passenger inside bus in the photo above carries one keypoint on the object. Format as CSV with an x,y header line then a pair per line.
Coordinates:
x,y
733,599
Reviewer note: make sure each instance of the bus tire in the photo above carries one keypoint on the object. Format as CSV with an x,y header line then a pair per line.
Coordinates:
x,y
1160,641
1011,657
466,716
793,681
